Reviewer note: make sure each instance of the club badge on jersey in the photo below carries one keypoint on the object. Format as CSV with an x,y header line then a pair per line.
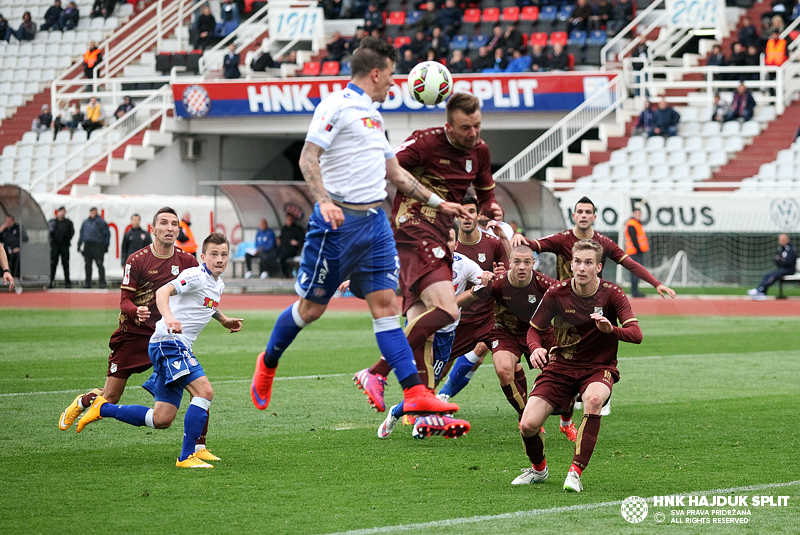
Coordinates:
x,y
175,270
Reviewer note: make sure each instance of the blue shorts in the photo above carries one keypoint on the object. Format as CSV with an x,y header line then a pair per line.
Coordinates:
x,y
174,367
362,248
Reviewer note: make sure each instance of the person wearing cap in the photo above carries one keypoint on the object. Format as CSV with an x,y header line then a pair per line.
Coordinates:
x,y
292,236
125,107
61,232
93,243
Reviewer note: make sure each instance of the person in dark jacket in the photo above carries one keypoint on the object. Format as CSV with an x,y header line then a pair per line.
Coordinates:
x,y
206,23
786,262
4,29
230,65
539,60
11,235
559,59
291,240
26,30
748,34
102,8
665,121
485,59
93,243
449,18
457,63
126,106
52,17
742,106
136,238
61,232
69,17
645,122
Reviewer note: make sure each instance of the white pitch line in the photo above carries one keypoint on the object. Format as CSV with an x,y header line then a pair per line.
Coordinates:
x,y
538,512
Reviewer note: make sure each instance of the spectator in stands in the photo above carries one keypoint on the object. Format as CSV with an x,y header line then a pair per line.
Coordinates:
x,y
720,108
52,17
95,117
407,62
333,9
485,59
500,61
742,106
26,30
558,60
579,19
513,40
752,59
125,107
11,235
777,24
91,59
230,65
291,240
601,15
775,50
266,252
747,33
439,43
61,231
336,47
64,116
262,60
717,59
519,62
43,121
93,241
539,61
229,12
458,64
621,16
69,17
206,23
102,8
4,29
419,44
134,239
449,18
665,120
498,40
785,261
373,18
738,56
355,41
645,122
428,20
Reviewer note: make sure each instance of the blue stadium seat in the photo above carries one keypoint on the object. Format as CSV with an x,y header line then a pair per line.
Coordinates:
x,y
548,14
563,13
345,68
459,42
597,38
577,37
478,41
229,27
412,18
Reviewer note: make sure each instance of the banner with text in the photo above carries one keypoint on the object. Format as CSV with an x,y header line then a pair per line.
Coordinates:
x,y
547,92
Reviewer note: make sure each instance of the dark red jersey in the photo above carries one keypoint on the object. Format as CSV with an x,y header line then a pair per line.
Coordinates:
x,y
561,244
145,273
447,172
578,341
514,305
484,252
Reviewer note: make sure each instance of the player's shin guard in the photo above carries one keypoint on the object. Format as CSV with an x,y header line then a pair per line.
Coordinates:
x,y
283,334
459,377
586,439
515,398
130,414
394,347
534,448
193,423
424,325
201,440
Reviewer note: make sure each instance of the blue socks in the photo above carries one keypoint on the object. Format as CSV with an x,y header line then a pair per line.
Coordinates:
x,y
193,424
130,414
394,347
459,376
287,327
397,410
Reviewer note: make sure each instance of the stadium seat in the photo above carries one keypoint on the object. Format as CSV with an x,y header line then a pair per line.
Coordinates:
x,y
711,128
565,12
697,157
657,158
713,143
577,37
472,15
164,62
717,159
637,158
478,41
676,158
701,172
193,61
344,69
310,68
635,143
618,157
538,38
674,143
459,42
547,17
597,38
179,59
655,143
412,18
330,68
401,41
733,144
510,14
750,129
691,128
490,14
396,18
558,38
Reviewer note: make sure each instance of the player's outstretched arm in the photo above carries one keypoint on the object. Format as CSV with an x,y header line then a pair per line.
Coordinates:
x,y
312,173
665,291
234,324
162,302
408,185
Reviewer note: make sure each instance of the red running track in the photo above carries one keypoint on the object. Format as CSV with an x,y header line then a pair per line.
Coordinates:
x,y
683,306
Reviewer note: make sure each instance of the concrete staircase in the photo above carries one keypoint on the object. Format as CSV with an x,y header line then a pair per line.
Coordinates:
x,y
11,130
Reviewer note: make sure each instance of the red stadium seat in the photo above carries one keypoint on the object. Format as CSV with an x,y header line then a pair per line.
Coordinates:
x,y
310,68
571,61
538,38
529,13
510,14
524,40
330,68
472,15
402,40
559,38
396,18
491,14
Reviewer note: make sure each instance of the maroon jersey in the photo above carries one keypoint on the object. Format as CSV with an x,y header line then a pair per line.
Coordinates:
x,y
145,273
484,252
514,305
578,341
447,172
561,244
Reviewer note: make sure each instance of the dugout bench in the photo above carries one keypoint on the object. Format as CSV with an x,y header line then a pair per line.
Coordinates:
x,y
789,278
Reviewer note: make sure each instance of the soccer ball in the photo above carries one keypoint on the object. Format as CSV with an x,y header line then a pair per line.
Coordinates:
x,y
430,83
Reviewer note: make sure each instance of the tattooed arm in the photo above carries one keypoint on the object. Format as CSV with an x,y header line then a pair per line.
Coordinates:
x,y
312,173
407,184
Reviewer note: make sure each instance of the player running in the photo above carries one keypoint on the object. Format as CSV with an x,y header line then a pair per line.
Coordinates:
x,y
584,312
186,304
146,271
346,161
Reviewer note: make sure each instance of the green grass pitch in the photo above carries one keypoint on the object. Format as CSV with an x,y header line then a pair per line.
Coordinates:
x,y
703,404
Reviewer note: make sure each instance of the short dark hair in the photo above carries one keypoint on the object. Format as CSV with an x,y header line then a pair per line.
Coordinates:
x,y
371,53
469,199
521,249
164,210
465,102
589,245
586,200
215,238
136,215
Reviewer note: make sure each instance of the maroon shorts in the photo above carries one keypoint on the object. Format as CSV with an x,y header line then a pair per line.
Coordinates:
x,y
471,331
128,355
559,386
503,340
422,263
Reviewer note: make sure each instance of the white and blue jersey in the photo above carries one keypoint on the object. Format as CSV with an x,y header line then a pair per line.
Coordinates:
x,y
350,130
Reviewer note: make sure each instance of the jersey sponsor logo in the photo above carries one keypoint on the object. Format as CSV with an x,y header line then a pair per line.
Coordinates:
x,y
127,277
174,270
569,311
303,278
531,298
323,273
445,162
369,123
481,257
210,303
468,166
152,272
183,282
598,310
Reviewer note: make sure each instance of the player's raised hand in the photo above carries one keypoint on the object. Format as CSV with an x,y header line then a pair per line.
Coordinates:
x,y
499,269
665,291
142,314
518,239
495,212
8,280
173,326
539,357
602,323
486,277
453,209
331,213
